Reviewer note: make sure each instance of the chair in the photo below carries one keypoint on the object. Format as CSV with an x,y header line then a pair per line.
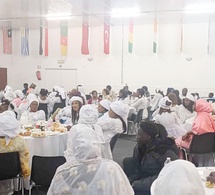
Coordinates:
x,y
128,166
44,107
201,144
113,141
58,105
43,170
10,167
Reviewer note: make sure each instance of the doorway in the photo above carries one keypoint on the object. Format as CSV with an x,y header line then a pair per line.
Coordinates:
x,y
3,78
62,77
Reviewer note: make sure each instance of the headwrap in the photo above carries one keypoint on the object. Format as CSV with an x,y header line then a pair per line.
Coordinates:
x,y
76,98
179,177
8,88
9,95
33,100
162,103
88,114
19,94
30,96
60,91
86,144
105,103
120,109
190,97
9,126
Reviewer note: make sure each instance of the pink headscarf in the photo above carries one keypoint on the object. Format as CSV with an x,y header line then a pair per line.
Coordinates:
x,y
203,122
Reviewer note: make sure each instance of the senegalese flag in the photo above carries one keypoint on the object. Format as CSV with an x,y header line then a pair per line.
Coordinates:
x,y
130,37
155,36
63,39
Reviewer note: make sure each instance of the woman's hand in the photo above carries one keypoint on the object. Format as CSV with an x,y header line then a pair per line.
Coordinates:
x,y
187,136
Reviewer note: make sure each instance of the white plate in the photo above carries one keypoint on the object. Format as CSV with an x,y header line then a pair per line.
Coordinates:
x,y
52,133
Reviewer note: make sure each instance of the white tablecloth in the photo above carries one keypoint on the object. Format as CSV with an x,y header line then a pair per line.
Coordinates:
x,y
54,145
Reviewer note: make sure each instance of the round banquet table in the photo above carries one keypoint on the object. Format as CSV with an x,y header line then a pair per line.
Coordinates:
x,y
52,145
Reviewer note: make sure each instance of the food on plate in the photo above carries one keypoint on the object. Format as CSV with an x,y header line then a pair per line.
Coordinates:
x,y
209,184
27,133
56,126
38,134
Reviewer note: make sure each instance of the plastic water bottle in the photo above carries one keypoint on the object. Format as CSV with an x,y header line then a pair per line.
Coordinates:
x,y
168,160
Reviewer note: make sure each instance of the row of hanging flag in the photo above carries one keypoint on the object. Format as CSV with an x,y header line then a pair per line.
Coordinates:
x,y
43,42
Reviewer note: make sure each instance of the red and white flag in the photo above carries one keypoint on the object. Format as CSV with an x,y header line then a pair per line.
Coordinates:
x,y
106,38
85,39
7,40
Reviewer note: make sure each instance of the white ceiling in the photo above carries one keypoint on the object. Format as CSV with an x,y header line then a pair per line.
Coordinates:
x,y
17,13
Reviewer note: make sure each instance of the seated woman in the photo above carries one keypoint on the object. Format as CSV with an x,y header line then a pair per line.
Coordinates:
x,y
19,97
94,99
149,156
32,115
185,110
123,96
178,177
203,123
10,141
169,119
103,107
88,173
88,118
106,95
70,114
114,121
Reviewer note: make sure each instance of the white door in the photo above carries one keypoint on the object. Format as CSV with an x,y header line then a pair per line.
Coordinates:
x,y
66,78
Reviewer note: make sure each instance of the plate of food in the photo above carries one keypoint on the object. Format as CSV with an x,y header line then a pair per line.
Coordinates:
x,y
38,134
25,133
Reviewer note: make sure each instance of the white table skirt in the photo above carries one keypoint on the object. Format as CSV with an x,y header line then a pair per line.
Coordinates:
x,y
54,145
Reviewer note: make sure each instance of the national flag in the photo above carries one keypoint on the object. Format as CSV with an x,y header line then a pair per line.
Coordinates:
x,y
130,37
155,36
24,32
46,40
85,38
182,36
43,47
63,38
7,40
106,38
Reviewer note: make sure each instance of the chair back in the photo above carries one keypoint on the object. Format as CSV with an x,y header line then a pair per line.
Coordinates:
x,y
9,165
43,107
113,141
43,169
129,166
58,105
202,144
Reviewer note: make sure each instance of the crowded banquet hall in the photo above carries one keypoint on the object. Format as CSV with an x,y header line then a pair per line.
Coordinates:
x,y
107,97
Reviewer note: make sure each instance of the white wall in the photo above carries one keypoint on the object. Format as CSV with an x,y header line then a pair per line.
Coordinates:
x,y
167,68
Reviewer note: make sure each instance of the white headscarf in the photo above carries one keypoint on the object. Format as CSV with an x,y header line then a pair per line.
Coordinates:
x,y
178,177
9,126
88,114
105,103
120,109
19,94
31,96
190,97
162,103
60,90
9,95
8,88
76,98
33,100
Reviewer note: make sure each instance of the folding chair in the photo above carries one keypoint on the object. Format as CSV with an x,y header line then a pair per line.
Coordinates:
x,y
10,167
44,107
200,144
43,170
113,141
